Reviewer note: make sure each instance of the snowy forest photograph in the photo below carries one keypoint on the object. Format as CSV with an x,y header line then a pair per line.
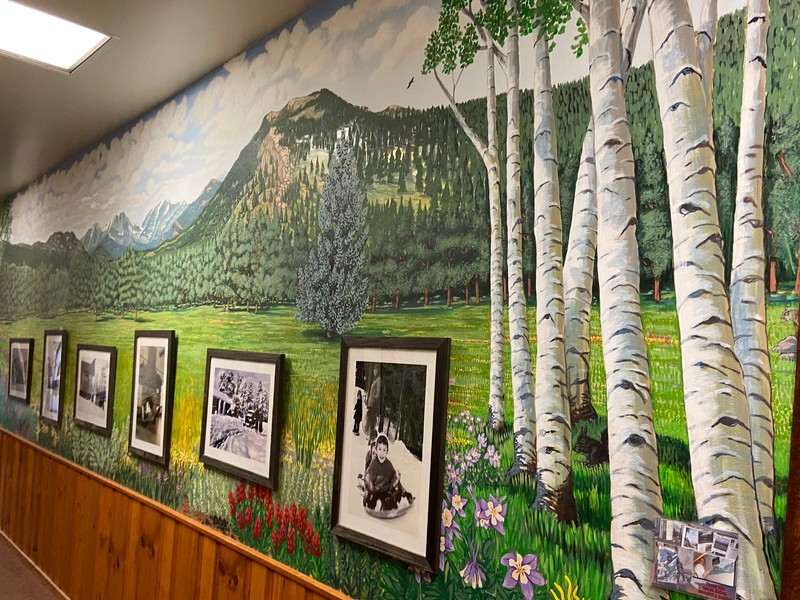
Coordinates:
x,y
597,201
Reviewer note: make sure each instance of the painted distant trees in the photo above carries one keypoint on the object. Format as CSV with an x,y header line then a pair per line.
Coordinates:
x,y
332,286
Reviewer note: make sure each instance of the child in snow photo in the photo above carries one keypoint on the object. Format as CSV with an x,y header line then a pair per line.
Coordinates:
x,y
381,480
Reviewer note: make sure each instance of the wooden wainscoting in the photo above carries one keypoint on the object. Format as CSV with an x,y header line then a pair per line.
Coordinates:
x,y
96,539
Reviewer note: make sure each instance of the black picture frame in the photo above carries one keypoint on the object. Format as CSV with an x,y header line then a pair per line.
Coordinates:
x,y
20,369
152,395
407,378
95,383
240,451
54,375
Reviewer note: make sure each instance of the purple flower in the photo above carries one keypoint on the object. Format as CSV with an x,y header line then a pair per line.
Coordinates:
x,y
447,519
457,502
472,573
445,546
453,475
493,456
482,440
492,514
522,572
472,457
471,429
420,574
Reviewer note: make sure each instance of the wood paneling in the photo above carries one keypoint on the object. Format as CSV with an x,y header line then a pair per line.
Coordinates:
x,y
98,540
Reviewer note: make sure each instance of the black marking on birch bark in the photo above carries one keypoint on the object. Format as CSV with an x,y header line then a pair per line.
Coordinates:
x,y
617,593
762,446
714,238
704,144
757,18
687,70
729,422
612,79
689,207
712,520
766,481
676,106
705,33
699,172
715,320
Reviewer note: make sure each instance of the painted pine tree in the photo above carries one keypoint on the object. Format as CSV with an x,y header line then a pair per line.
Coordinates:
x,y
332,285
717,415
633,455
748,286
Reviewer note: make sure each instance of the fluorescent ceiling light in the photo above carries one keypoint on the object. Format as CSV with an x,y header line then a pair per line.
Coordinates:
x,y
33,35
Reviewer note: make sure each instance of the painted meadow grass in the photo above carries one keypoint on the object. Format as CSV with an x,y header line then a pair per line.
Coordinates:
x,y
476,464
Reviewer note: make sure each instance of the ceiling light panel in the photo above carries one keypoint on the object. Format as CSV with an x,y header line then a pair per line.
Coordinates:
x,y
32,35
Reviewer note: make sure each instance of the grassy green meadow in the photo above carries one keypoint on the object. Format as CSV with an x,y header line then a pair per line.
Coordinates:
x,y
581,553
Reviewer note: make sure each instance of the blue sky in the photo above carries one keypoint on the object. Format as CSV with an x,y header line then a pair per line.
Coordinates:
x,y
365,51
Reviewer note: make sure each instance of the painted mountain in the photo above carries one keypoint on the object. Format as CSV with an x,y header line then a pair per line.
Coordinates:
x,y
161,224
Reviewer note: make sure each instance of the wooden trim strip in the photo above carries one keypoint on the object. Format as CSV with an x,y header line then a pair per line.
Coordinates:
x,y
271,564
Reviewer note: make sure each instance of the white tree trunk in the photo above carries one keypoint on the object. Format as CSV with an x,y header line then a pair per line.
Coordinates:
x,y
717,415
748,287
706,38
579,265
497,417
578,282
633,455
524,416
554,489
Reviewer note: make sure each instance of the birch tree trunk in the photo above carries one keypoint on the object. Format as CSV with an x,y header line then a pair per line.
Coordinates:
x,y
524,416
554,487
580,261
706,38
633,455
717,414
748,289
491,160
497,417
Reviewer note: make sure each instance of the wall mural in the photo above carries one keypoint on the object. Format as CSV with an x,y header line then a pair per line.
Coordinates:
x,y
621,291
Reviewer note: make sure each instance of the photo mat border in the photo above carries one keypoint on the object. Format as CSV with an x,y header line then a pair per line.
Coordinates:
x,y
269,480
169,396
440,347
62,383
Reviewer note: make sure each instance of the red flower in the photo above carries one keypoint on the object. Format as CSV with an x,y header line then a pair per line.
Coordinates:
x,y
315,549
275,540
240,519
270,516
251,492
240,492
248,515
303,516
294,514
232,503
257,528
282,533
290,543
286,515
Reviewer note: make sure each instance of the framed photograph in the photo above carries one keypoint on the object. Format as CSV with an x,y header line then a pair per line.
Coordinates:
x,y
95,377
20,369
152,393
243,394
54,368
390,438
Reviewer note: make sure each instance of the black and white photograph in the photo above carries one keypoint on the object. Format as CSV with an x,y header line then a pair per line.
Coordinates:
x,y
54,366
95,380
20,367
700,561
240,415
387,472
152,393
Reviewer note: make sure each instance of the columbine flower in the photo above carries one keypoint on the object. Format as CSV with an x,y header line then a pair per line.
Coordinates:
x,y
472,573
522,572
493,456
495,512
445,546
482,440
447,517
453,475
420,574
458,502
472,457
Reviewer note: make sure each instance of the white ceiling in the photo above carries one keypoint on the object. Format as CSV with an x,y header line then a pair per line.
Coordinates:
x,y
158,47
